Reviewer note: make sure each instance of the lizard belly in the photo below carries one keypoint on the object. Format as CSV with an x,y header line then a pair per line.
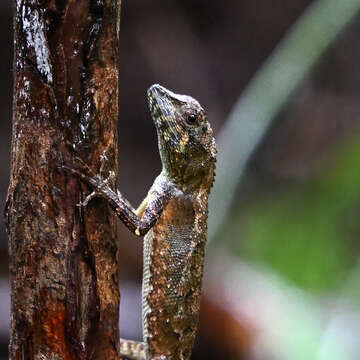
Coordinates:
x,y
173,266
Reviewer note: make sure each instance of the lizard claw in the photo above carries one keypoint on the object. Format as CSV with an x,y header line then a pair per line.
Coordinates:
x,y
111,178
103,159
88,199
85,166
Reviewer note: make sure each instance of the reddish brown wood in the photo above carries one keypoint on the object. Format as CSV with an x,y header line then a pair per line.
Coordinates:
x,y
64,268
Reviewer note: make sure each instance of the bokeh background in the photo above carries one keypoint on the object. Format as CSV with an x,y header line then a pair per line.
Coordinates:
x,y
283,272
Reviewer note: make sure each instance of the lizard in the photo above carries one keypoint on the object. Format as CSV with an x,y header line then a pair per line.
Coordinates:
x,y
173,219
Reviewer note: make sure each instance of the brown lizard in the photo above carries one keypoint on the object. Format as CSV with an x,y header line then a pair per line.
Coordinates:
x,y
173,218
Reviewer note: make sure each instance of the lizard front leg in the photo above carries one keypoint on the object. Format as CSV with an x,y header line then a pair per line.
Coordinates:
x,y
138,221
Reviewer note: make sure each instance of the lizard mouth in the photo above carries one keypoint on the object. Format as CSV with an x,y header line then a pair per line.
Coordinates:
x,y
158,98
155,93
162,104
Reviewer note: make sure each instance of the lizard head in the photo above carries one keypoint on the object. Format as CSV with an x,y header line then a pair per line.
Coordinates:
x,y
186,143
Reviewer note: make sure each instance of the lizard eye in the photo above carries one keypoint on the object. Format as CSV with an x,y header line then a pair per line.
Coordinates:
x,y
191,119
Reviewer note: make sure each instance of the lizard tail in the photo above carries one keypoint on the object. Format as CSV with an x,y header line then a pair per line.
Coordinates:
x,y
133,349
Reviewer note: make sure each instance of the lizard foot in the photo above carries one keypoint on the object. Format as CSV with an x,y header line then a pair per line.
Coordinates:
x,y
88,199
101,186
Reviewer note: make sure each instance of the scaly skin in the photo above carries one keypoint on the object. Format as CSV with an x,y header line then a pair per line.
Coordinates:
x,y
174,218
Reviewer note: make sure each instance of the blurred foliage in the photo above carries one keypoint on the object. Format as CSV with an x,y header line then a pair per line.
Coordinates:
x,y
308,233
268,92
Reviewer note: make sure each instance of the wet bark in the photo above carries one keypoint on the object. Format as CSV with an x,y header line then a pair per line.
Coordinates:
x,y
64,270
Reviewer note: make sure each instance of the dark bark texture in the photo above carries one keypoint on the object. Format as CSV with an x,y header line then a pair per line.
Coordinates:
x,y
64,268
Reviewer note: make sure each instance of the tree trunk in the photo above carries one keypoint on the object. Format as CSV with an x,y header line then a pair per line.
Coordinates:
x,y
64,268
